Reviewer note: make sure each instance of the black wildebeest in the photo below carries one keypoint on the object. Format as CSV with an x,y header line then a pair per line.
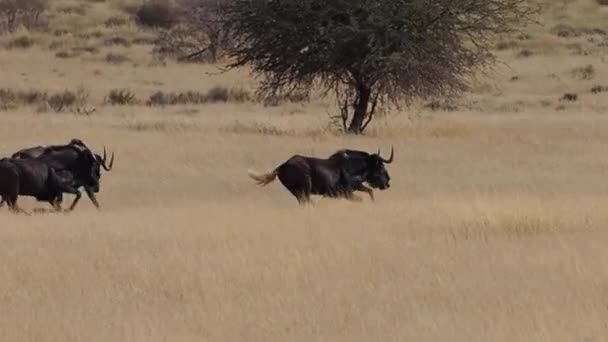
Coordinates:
x,y
73,165
338,176
31,177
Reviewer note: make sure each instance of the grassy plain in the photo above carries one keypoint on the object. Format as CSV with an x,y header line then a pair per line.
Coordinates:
x,y
494,228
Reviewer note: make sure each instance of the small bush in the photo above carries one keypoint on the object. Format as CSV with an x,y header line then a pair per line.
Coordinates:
x,y
585,73
68,99
565,31
602,2
10,99
599,89
61,101
32,97
437,105
214,95
65,54
279,99
571,97
120,41
80,9
218,94
144,41
116,21
156,13
60,32
88,49
114,58
21,42
525,53
121,97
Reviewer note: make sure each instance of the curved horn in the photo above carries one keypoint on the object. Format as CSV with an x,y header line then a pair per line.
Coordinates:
x,y
390,159
104,159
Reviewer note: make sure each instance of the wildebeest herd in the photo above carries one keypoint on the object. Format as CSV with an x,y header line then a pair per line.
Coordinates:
x,y
47,172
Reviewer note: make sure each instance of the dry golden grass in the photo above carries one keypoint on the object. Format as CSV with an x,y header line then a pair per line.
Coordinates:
x,y
493,229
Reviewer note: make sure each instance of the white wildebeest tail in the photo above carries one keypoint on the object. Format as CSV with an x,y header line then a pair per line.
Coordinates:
x,y
263,179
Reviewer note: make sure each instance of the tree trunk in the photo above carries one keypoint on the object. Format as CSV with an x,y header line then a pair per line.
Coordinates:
x,y
360,112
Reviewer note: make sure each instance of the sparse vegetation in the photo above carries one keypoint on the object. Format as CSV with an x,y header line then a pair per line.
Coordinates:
x,y
599,89
586,72
21,42
121,97
119,41
214,95
116,58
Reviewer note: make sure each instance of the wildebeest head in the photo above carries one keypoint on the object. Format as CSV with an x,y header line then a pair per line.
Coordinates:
x,y
377,175
370,167
98,164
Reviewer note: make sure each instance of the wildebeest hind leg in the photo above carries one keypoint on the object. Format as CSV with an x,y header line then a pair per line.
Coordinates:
x,y
297,182
12,205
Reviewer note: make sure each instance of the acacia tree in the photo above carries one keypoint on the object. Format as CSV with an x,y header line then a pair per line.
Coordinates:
x,y
372,54
206,16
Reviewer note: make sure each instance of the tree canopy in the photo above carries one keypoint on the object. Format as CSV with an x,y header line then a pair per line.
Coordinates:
x,y
370,53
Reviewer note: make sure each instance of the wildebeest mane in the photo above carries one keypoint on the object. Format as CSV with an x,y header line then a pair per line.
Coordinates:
x,y
357,161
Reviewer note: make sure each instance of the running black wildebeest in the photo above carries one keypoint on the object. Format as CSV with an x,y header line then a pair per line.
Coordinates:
x,y
31,177
74,163
338,176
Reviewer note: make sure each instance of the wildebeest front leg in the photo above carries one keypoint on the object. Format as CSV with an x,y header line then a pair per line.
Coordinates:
x,y
78,196
91,195
370,192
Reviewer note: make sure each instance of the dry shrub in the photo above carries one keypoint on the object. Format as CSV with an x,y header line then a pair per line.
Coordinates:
x,y
10,99
144,40
214,95
121,97
514,226
599,89
525,53
279,99
602,2
115,58
21,42
585,73
162,126
156,13
115,22
80,9
441,105
119,41
258,129
68,99
60,32
65,54
88,49
571,97
565,31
